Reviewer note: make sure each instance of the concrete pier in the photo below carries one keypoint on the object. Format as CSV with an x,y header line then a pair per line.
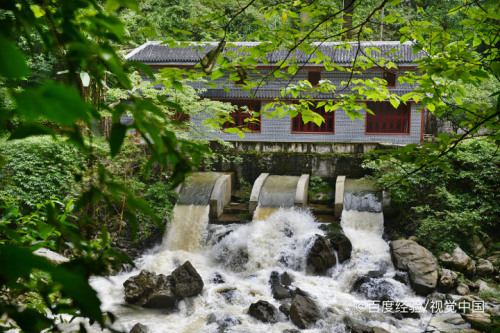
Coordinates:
x,y
339,195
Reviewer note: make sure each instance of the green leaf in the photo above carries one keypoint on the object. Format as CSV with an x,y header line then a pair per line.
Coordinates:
x,y
12,62
112,5
53,101
173,105
217,74
116,137
27,130
142,67
284,16
178,85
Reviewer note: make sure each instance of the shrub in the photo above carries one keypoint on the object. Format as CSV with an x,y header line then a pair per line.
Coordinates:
x,y
37,169
448,208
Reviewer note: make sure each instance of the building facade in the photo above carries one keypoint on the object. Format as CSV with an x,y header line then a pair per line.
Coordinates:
x,y
401,126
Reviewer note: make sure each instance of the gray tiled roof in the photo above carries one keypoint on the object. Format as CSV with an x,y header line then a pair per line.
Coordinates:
x,y
157,53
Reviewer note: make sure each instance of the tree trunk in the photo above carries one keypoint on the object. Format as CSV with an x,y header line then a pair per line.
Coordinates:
x,y
382,23
348,9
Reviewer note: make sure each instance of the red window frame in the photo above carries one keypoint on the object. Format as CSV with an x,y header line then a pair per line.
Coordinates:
x,y
314,77
181,117
242,76
327,127
387,119
240,116
390,77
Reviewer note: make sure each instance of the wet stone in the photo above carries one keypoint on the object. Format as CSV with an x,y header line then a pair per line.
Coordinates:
x,y
217,278
139,328
402,277
227,322
211,319
187,280
280,292
376,289
304,312
378,273
285,309
264,311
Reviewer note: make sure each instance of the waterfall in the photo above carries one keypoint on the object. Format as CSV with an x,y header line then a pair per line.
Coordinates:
x,y
236,261
190,214
277,191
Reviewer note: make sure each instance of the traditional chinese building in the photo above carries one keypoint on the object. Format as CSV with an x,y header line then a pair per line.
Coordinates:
x,y
403,125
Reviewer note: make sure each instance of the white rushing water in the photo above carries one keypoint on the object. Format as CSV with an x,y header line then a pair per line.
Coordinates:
x,y
245,256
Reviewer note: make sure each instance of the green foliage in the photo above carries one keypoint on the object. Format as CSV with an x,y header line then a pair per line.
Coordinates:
x,y
318,189
447,208
38,169
83,37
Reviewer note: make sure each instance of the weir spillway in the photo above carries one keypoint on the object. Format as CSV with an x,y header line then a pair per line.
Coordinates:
x,y
237,260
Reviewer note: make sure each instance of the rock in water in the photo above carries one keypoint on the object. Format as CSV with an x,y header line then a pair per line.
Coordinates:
x,y
187,280
280,292
139,328
338,241
321,255
420,263
162,296
460,261
150,290
304,312
264,311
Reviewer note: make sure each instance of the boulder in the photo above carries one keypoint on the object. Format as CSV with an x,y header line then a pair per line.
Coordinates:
x,y
473,286
463,289
466,304
494,258
187,280
338,241
460,261
321,256
402,277
163,295
291,331
280,292
304,312
284,278
446,322
399,310
359,282
448,279
419,262
139,328
362,328
477,247
478,320
483,286
150,290
379,272
484,268
285,309
264,311
435,302
376,289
